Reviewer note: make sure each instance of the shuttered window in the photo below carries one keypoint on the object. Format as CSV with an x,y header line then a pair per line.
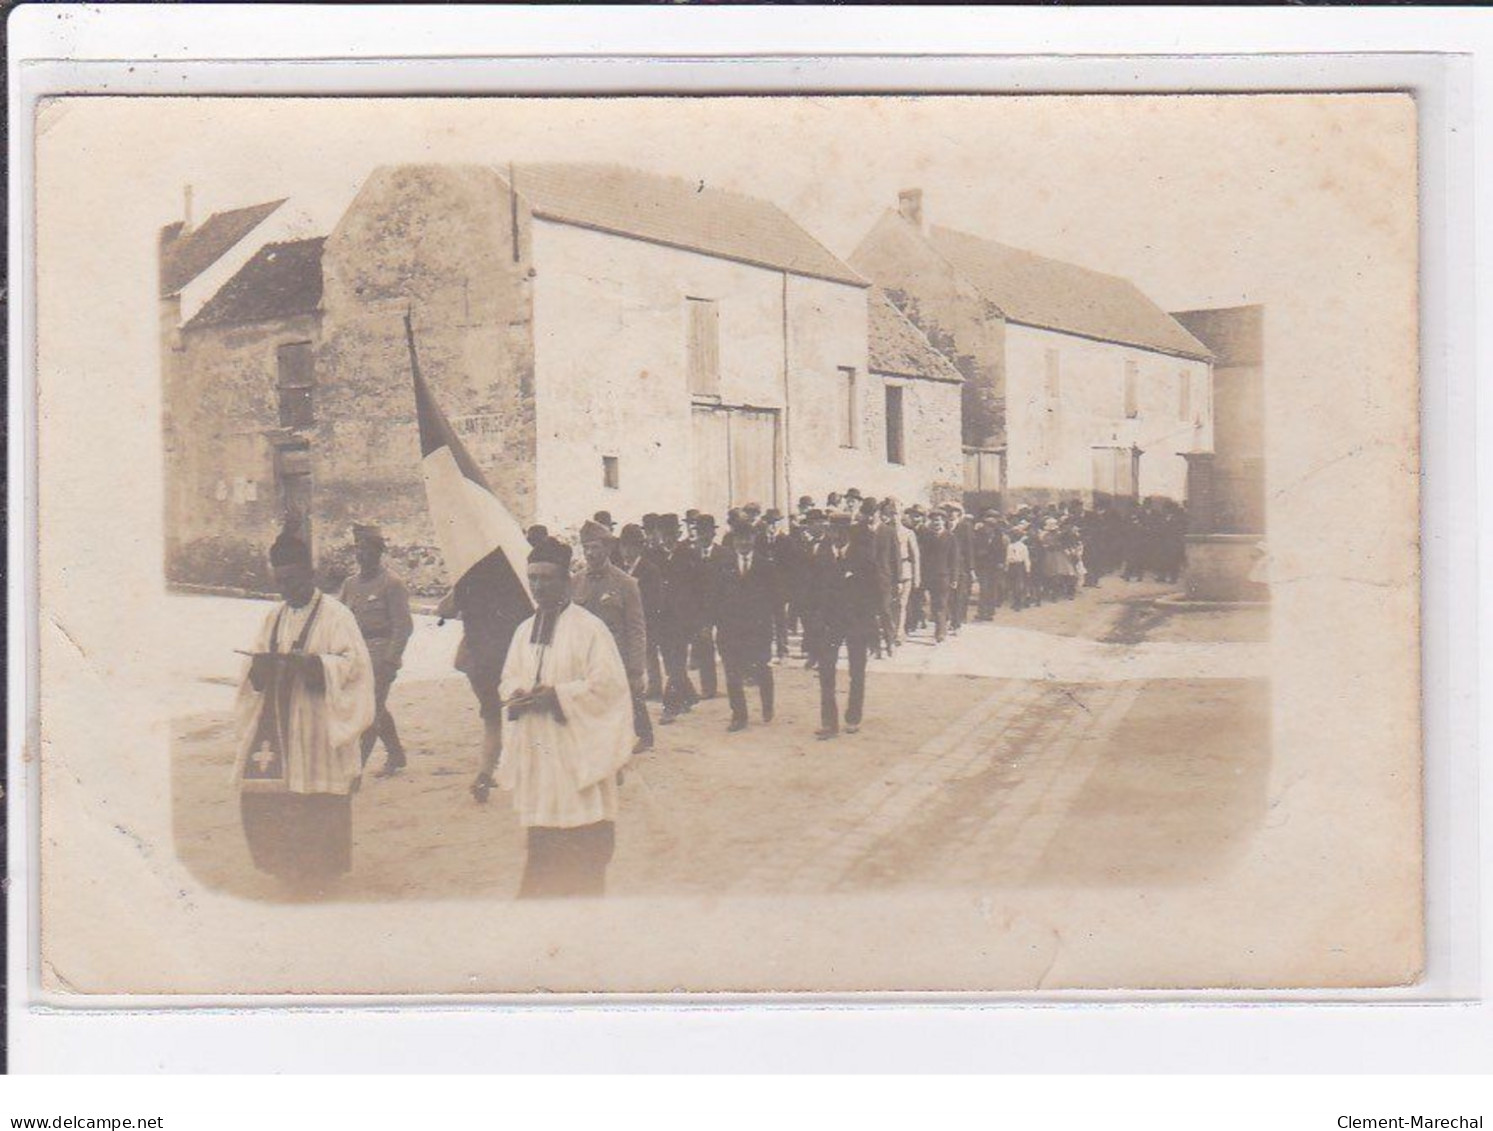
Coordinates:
x,y
894,453
294,384
1132,390
1053,377
846,408
704,347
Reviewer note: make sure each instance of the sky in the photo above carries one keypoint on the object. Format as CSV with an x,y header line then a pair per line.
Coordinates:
x,y
1201,200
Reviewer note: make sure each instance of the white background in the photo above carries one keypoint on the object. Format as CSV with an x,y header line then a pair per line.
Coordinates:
x,y
1152,1037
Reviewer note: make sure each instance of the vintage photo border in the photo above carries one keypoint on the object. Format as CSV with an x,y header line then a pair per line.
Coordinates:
x,y
1442,86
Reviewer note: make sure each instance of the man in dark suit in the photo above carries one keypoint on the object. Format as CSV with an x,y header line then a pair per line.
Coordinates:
x,y
678,567
777,544
990,562
702,639
796,564
744,595
846,608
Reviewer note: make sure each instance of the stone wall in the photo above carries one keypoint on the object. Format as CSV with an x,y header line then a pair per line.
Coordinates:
x,y
437,241
956,319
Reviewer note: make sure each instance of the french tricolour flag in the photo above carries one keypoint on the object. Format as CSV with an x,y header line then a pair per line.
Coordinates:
x,y
471,523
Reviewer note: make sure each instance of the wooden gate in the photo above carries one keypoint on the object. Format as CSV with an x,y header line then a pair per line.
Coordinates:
x,y
736,457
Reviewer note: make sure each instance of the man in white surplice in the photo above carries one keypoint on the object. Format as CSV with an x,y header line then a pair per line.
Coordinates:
x,y
566,695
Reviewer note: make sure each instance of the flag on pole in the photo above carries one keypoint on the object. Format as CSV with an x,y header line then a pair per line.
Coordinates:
x,y
471,522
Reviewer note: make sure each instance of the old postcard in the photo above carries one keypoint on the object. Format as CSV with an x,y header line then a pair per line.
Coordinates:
x,y
646,545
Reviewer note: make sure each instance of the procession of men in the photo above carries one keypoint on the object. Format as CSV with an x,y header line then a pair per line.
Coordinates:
x,y
565,666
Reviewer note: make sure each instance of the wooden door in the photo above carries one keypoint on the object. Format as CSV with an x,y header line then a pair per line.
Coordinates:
x,y
754,469
712,460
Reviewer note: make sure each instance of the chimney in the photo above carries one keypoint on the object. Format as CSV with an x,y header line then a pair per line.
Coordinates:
x,y
186,209
910,206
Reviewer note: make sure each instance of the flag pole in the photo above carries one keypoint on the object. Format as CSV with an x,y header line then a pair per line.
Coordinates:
x,y
409,340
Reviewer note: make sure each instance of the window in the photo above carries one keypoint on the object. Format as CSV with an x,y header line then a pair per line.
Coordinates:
x,y
1051,381
984,469
845,409
294,383
894,452
1184,396
1132,391
704,347
610,475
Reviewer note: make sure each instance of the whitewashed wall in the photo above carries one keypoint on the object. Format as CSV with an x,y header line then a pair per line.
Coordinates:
x,y
1050,443
611,326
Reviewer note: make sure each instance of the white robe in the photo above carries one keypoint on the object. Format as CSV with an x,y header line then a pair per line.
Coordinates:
x,y
322,753
563,774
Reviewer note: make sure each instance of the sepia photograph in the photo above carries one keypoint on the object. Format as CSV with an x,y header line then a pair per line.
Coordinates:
x,y
729,544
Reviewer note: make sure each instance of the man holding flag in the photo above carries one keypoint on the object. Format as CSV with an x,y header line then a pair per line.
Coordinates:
x,y
484,548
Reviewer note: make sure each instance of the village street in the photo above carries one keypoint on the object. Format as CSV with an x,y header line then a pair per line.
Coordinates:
x,y
1107,740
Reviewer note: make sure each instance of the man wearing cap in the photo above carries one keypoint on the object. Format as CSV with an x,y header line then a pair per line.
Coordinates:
x,y
381,605
565,695
845,603
614,597
304,702
744,596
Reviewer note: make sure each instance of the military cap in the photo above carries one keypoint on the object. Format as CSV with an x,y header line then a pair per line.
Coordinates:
x,y
592,531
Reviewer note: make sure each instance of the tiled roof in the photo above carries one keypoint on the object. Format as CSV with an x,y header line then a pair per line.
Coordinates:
x,y
897,346
1049,293
184,257
679,213
1235,334
283,279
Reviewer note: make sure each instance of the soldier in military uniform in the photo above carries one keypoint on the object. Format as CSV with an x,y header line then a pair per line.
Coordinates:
x,y
608,592
381,605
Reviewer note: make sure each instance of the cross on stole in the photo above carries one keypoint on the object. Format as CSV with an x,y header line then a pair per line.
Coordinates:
x,y
264,757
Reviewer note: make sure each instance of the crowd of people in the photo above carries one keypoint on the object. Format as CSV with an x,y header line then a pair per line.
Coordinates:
x,y
662,611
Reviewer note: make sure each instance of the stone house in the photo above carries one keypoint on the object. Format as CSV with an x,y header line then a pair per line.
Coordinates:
x,y
1076,385
1236,337
601,338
